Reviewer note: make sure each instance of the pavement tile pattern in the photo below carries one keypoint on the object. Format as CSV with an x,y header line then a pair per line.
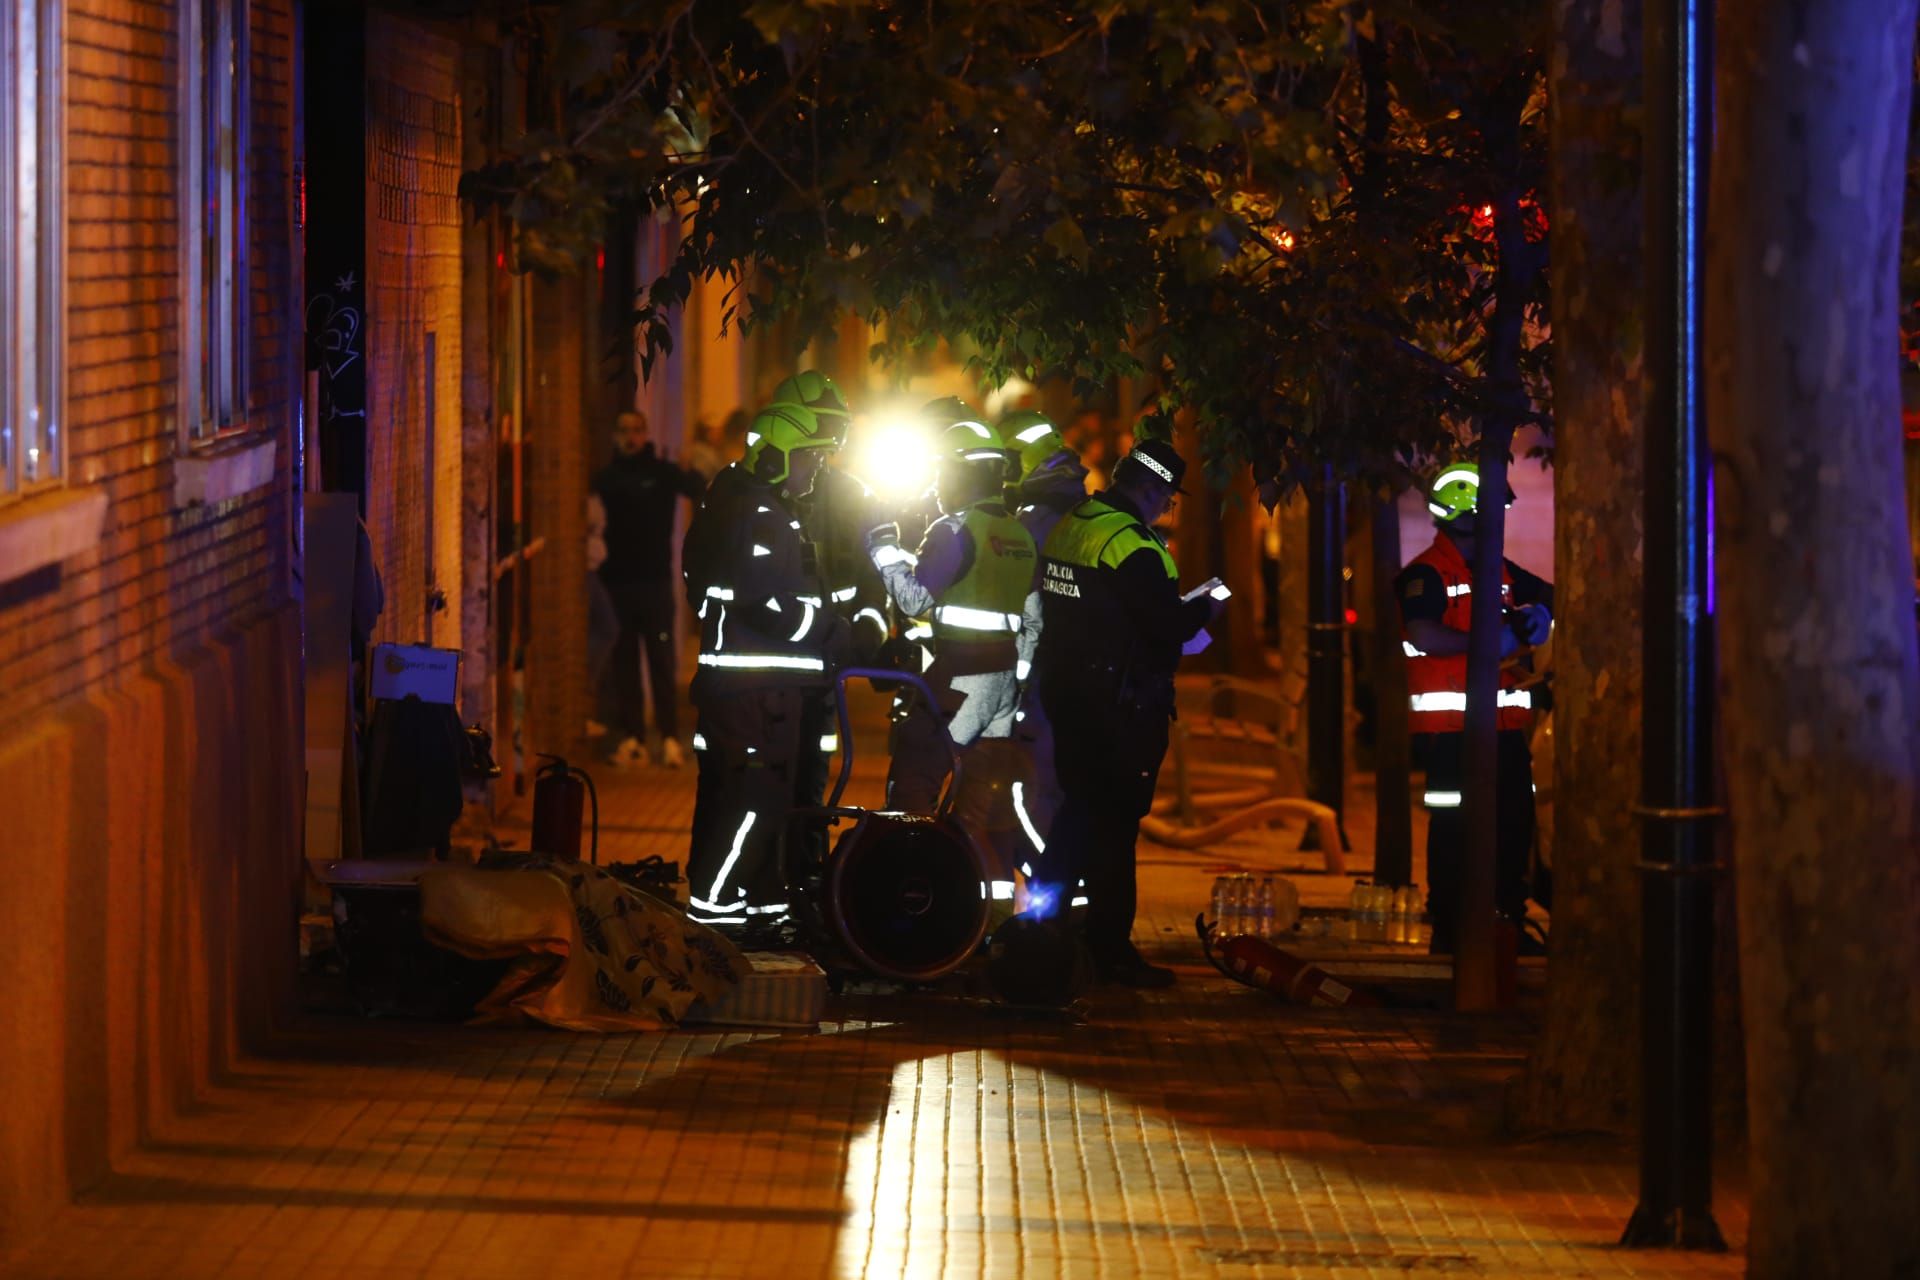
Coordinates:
x,y
1203,1131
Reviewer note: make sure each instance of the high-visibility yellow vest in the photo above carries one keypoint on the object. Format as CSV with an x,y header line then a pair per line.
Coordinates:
x,y
1095,535
1088,625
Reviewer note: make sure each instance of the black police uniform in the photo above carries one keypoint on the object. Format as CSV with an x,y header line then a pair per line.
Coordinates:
x,y
1113,628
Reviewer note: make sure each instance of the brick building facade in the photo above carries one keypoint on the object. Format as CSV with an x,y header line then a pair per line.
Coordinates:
x,y
236,272
149,659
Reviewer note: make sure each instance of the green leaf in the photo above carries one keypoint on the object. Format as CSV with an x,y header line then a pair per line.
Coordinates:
x,y
1065,238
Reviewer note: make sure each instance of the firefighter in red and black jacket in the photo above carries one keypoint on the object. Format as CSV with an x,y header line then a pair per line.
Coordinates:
x,y
1436,606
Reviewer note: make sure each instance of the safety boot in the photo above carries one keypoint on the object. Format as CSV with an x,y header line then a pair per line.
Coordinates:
x,y
629,754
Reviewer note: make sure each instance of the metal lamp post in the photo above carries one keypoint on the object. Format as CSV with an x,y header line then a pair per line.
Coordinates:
x,y
1677,807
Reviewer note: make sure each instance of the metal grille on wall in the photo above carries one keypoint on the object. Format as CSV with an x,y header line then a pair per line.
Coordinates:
x,y
416,156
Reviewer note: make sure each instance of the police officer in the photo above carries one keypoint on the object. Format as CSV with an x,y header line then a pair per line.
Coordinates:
x,y
1114,627
768,642
1436,610
1051,482
970,580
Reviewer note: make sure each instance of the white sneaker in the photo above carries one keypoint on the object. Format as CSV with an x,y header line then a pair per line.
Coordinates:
x,y
671,754
630,753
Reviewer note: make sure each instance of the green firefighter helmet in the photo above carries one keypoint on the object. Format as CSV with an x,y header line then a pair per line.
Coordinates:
x,y
961,435
948,410
811,389
1036,442
780,431
1454,491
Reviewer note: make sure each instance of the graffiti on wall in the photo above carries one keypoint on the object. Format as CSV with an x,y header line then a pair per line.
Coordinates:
x,y
334,330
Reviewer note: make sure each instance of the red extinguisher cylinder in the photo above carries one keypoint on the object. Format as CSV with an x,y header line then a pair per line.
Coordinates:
x,y
559,806
1261,965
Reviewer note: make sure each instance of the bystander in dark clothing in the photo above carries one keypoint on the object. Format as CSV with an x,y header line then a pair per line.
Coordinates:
x,y
641,490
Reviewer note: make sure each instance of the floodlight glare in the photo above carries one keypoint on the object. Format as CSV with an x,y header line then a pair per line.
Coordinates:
x,y
892,454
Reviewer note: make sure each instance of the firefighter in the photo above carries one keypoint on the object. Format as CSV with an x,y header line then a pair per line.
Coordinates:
x,y
969,580
768,643
1436,607
1115,623
835,517
1052,482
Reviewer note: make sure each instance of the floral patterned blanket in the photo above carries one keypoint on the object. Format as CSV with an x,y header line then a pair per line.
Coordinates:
x,y
590,953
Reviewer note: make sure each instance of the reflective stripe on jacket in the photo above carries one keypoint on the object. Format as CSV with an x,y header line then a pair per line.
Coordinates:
x,y
976,619
1436,683
764,616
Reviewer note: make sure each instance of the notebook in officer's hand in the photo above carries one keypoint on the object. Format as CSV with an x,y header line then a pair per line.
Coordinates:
x,y
1211,587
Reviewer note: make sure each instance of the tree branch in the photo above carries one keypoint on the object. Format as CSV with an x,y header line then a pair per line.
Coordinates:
x,y
660,48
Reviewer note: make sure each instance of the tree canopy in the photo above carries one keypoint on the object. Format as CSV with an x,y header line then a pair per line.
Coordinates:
x,y
1290,216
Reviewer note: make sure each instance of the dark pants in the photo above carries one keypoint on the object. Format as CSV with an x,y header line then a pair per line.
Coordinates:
x,y
1446,830
1038,800
748,761
1108,759
645,610
920,763
603,628
807,841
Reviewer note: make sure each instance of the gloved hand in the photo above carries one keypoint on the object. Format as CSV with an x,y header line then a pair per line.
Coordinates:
x,y
1532,624
838,645
883,535
898,654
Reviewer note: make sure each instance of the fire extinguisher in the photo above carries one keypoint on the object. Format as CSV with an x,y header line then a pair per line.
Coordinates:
x,y
558,790
1259,964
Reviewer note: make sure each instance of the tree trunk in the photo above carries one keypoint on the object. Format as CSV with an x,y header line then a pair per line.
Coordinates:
x,y
1392,739
1476,978
1326,645
1584,1073
1239,564
1820,689
1392,745
1293,617
479,443
557,436
1476,981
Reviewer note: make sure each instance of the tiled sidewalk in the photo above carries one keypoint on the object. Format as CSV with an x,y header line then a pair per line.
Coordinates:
x,y
1198,1132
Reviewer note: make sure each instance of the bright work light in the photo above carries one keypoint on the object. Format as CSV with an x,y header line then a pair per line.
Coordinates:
x,y
892,453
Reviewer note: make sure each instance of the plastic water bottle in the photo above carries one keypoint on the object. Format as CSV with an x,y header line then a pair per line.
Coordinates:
x,y
1244,906
1405,913
1221,895
1286,907
1357,909
1263,905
